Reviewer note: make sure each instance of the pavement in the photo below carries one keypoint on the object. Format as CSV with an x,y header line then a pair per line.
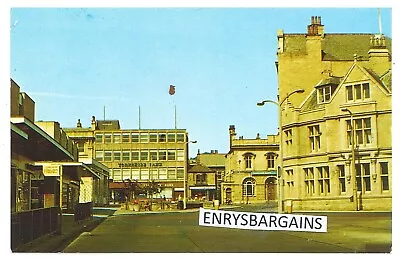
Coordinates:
x,y
54,243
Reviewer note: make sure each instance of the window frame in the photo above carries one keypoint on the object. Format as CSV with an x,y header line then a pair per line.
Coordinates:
x,y
357,92
314,133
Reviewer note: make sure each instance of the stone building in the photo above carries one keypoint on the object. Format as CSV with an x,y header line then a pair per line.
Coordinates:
x,y
335,95
205,175
250,169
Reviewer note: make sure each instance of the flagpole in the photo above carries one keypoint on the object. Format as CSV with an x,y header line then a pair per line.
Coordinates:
x,y
139,118
175,115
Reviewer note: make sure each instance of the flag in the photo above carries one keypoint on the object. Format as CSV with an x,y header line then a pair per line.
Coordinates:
x,y
171,89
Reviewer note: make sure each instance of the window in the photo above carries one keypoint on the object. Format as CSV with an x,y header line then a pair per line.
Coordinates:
x,y
171,155
248,159
290,182
126,174
162,173
180,137
117,155
107,138
117,175
180,173
358,92
309,180
135,138
162,155
271,160
324,180
363,177
324,94
171,173
144,174
153,174
171,137
153,138
99,138
126,155
288,137
180,155
99,155
135,155
384,175
248,187
117,138
315,137
201,179
81,147
362,128
342,178
135,174
162,138
125,138
153,155
144,137
107,155
144,155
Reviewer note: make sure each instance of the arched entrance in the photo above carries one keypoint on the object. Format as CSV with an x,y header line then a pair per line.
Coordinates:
x,y
270,188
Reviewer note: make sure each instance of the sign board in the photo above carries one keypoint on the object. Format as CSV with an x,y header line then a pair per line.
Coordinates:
x,y
262,221
51,170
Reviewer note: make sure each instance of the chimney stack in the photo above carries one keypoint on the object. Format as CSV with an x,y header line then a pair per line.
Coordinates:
x,y
93,123
315,28
232,135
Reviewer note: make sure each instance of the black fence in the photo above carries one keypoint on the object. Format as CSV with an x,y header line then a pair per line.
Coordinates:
x,y
26,226
83,211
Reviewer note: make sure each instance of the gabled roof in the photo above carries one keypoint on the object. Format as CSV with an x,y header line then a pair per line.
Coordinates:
x,y
383,81
335,47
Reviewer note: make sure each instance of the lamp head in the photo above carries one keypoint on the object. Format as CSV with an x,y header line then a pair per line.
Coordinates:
x,y
260,104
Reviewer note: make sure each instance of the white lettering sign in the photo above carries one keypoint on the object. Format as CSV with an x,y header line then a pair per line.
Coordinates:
x,y
262,221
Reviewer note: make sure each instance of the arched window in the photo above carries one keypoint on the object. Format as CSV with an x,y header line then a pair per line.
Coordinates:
x,y
249,187
271,160
248,160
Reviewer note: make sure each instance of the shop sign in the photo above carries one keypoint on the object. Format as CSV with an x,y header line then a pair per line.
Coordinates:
x,y
51,170
139,165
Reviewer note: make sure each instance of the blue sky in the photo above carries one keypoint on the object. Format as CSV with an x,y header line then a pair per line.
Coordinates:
x,y
74,62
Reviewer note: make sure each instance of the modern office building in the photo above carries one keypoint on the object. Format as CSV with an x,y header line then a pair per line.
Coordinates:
x,y
335,95
142,156
250,169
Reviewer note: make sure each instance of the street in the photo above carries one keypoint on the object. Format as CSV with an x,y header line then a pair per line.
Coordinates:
x,y
180,232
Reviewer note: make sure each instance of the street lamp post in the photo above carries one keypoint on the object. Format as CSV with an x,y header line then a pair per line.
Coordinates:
x,y
280,168
353,160
184,179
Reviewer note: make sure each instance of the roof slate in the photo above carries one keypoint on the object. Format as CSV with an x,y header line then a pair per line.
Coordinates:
x,y
199,168
335,46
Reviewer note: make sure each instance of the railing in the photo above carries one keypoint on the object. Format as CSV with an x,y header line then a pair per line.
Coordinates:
x,y
83,211
29,225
